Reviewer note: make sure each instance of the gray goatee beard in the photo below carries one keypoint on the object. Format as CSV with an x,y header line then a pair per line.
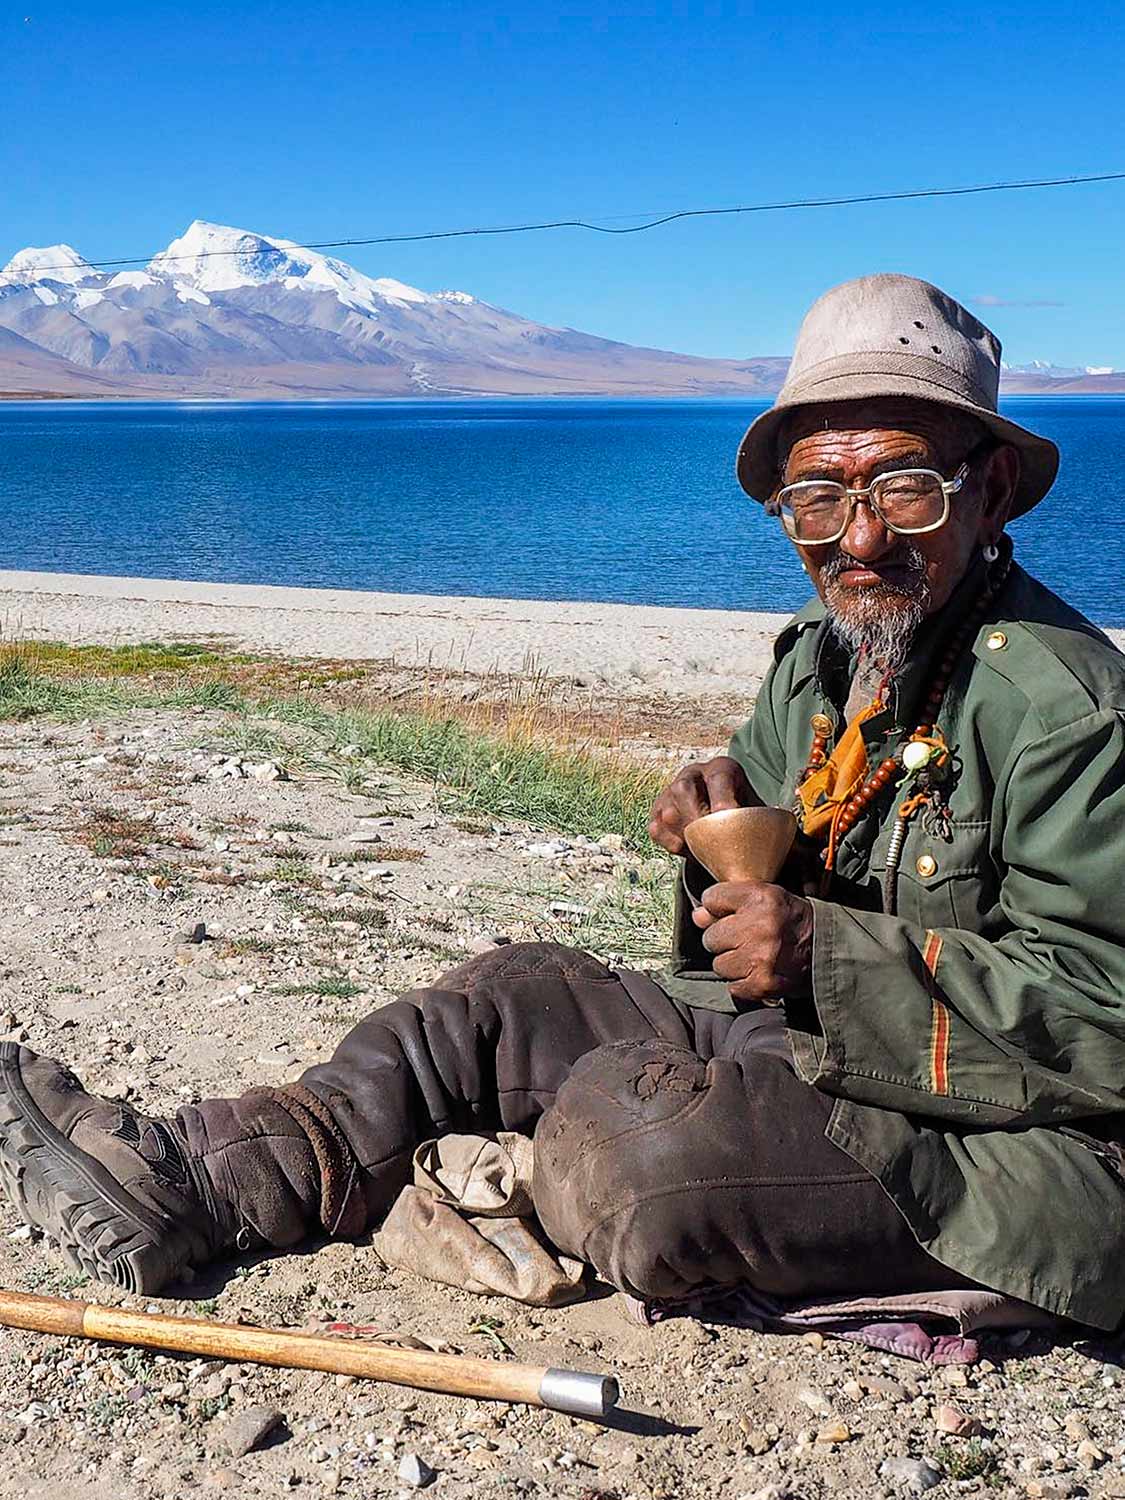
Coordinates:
x,y
879,622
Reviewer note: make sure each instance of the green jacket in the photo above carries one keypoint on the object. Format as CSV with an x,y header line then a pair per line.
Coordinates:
x,y
975,1041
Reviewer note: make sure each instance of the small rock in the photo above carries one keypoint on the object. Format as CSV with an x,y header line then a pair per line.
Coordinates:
x,y
1076,1429
268,770
889,1390
957,1423
1089,1455
955,1375
814,1340
816,1401
415,1472
365,834
917,1474
486,944
34,1413
852,1389
835,1432
250,1429
759,1442
225,1479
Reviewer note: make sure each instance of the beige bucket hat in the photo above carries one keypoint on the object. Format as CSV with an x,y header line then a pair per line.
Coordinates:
x,y
890,335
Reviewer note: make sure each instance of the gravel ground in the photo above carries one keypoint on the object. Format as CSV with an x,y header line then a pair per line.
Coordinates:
x,y
319,903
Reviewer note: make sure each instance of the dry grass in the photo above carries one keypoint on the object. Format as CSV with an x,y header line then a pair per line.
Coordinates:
x,y
530,749
110,834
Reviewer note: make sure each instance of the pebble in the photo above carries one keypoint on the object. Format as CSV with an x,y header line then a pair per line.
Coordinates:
x,y
415,1472
225,1479
835,1432
889,1390
34,1413
816,1401
250,1429
267,770
917,1474
955,1422
1089,1455
758,1441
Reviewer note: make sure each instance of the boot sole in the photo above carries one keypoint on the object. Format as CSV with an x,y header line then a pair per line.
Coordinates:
x,y
100,1228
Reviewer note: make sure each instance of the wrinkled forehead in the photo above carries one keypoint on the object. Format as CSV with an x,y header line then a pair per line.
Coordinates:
x,y
939,432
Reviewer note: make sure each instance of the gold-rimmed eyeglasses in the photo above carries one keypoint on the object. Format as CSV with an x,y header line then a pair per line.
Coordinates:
x,y
909,502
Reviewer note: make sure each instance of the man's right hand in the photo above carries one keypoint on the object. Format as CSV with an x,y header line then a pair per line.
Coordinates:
x,y
704,787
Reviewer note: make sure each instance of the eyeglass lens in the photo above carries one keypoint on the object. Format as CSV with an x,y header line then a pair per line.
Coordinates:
x,y
817,510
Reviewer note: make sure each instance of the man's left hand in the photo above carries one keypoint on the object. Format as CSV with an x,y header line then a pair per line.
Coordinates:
x,y
761,938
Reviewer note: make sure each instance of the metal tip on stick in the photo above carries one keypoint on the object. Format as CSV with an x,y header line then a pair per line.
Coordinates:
x,y
579,1394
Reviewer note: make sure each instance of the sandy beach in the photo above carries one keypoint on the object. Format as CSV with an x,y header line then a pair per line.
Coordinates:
x,y
681,652
643,649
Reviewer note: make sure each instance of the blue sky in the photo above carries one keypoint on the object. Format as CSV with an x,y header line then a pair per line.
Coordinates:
x,y
119,123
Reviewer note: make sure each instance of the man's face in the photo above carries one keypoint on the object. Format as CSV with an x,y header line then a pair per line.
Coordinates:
x,y
875,583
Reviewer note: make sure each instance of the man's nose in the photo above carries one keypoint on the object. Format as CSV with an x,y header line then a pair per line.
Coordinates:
x,y
866,537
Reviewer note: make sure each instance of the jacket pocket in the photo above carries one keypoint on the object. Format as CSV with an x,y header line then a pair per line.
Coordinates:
x,y
948,882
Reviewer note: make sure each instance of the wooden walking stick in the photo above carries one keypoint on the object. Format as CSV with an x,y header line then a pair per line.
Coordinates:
x,y
571,1391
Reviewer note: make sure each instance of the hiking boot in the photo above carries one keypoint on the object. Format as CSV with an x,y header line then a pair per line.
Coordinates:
x,y
121,1193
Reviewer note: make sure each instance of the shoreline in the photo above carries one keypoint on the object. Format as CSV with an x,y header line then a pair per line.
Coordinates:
x,y
630,648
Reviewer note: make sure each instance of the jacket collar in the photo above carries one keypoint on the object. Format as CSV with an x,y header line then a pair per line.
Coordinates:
x,y
827,662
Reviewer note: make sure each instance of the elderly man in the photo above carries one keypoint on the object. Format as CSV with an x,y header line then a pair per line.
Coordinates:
x,y
901,1070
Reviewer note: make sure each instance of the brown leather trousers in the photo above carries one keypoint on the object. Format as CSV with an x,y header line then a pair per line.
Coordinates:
x,y
675,1148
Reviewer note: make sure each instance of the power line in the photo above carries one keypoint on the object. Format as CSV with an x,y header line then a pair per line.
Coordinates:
x,y
669,218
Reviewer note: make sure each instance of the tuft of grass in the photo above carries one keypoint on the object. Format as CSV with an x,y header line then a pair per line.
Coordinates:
x,y
110,834
372,917
294,872
629,919
330,986
238,946
970,1460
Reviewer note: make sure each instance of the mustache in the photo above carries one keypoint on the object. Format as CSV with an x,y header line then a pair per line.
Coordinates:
x,y
910,560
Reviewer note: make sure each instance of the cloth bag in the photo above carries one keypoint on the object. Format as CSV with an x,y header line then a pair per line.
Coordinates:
x,y
467,1220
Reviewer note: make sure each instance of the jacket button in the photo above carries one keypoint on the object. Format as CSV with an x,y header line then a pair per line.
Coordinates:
x,y
996,641
926,865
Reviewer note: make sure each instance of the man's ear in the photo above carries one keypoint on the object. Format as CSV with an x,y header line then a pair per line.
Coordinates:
x,y
999,479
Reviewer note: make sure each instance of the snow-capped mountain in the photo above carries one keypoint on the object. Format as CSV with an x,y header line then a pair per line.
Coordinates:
x,y
226,312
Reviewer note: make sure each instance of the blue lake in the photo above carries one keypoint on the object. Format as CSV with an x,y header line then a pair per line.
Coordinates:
x,y
630,501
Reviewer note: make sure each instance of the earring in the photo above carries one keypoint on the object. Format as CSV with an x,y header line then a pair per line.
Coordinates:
x,y
991,552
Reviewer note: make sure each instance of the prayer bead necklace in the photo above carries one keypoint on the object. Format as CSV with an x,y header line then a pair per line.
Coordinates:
x,y
926,735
